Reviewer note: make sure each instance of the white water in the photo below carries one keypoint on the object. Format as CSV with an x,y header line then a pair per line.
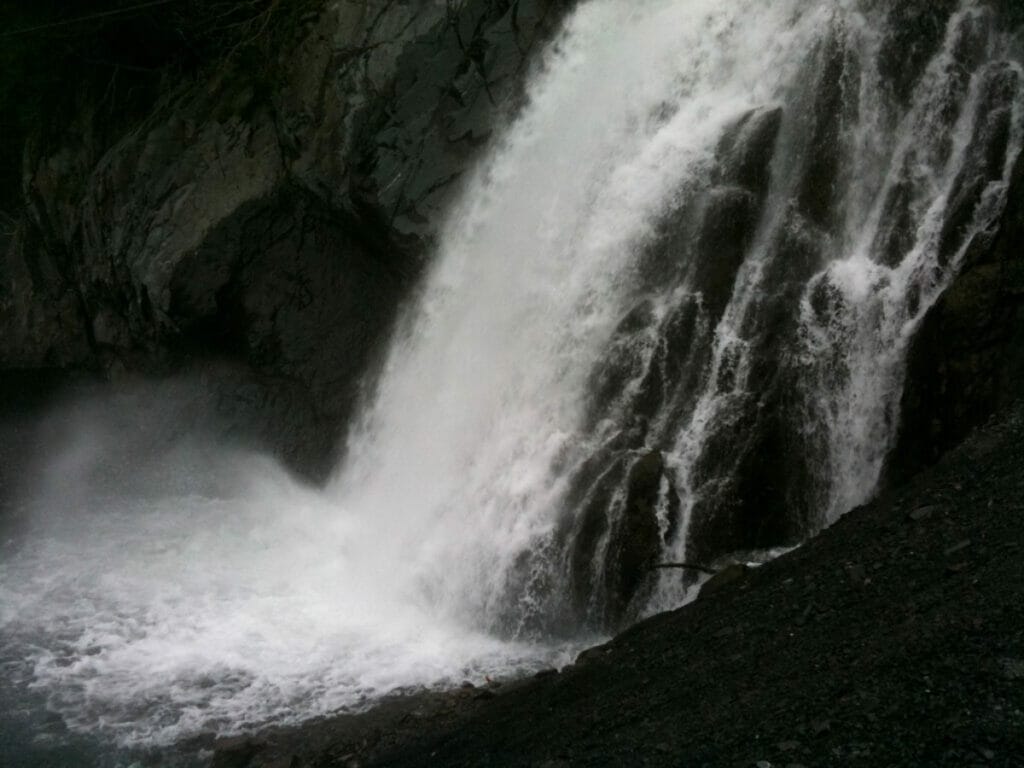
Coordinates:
x,y
462,455
851,358
204,589
196,587
856,354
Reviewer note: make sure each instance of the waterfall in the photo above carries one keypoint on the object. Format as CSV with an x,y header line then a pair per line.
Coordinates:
x,y
465,456
666,319
710,235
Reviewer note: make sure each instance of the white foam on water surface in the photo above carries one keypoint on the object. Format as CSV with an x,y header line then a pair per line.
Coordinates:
x,y
243,597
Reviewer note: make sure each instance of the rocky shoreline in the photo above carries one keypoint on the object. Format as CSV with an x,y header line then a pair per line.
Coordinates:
x,y
894,638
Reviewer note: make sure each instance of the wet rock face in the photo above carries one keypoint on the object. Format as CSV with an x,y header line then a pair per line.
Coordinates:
x,y
624,531
285,285
41,317
617,538
274,220
783,190
639,533
967,361
916,30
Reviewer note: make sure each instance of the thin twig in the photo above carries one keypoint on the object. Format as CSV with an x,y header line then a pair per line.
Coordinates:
x,y
686,567
80,19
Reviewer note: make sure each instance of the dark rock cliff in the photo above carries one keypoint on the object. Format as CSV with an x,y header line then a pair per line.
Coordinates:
x,y
266,218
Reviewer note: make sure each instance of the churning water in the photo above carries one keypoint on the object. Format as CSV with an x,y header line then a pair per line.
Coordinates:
x,y
710,234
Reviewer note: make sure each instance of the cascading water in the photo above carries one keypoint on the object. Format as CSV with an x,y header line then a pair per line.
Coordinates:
x,y
478,424
667,320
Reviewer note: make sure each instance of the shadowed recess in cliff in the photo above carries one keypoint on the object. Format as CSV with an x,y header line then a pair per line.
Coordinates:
x,y
666,320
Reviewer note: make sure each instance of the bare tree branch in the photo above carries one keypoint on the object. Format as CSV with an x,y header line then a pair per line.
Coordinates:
x,y
686,567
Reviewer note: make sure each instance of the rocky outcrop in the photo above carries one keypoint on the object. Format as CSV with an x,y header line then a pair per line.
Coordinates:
x,y
272,217
777,204
967,360
619,536
639,534
41,313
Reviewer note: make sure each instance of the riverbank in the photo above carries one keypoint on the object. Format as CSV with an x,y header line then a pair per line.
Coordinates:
x,y
894,638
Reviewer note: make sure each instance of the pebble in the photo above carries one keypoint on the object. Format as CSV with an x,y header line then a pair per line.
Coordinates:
x,y
1013,669
857,573
923,513
958,547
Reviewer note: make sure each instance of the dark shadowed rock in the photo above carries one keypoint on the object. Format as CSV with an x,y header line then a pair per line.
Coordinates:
x,y
745,154
729,575
915,31
730,221
235,752
636,539
829,112
967,360
271,216
985,156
